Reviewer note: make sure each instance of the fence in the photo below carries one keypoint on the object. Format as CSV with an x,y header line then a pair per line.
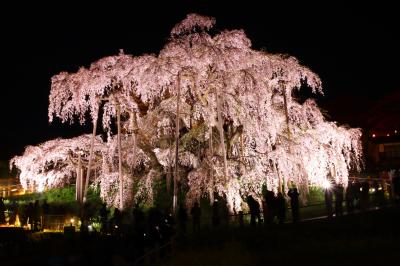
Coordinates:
x,y
54,222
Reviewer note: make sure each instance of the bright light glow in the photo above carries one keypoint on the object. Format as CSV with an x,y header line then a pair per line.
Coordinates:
x,y
72,221
327,184
14,189
388,135
17,221
373,135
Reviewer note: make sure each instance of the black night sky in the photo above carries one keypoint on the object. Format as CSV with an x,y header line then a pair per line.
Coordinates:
x,y
354,49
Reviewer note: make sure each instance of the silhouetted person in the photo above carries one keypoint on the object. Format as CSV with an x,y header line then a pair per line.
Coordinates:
x,y
270,205
241,220
13,212
139,230
364,196
182,218
357,195
294,204
196,213
2,210
103,218
154,220
45,213
379,195
254,210
257,213
29,214
167,226
281,208
215,214
350,197
225,215
396,187
84,230
139,220
117,219
339,191
36,216
329,202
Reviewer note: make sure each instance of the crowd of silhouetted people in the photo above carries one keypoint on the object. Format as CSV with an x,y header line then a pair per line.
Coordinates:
x,y
361,196
160,224
141,231
33,214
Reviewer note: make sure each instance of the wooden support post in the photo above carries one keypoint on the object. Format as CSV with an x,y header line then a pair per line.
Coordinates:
x,y
121,204
91,155
176,177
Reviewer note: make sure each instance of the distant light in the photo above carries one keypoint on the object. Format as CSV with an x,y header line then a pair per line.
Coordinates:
x,y
395,131
379,188
372,189
14,189
72,221
116,226
388,135
90,228
360,188
373,135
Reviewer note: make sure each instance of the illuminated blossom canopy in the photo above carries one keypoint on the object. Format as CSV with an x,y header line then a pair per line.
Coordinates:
x,y
53,163
240,128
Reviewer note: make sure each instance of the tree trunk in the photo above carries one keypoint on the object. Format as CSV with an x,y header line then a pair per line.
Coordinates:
x,y
91,155
77,184
79,179
143,142
169,167
82,180
211,192
280,183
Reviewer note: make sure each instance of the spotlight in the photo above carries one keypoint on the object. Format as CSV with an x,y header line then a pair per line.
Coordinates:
x,y
327,184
